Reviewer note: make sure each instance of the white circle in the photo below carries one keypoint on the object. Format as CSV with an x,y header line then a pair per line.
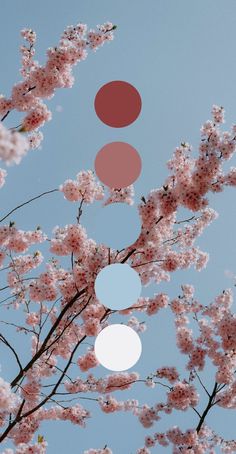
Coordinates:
x,y
118,347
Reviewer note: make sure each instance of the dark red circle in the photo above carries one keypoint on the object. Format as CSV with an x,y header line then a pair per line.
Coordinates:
x,y
118,104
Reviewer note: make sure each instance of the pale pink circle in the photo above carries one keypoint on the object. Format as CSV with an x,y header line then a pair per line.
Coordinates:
x,y
118,164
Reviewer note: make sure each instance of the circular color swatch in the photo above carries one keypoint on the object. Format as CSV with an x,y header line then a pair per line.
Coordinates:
x,y
118,164
116,225
118,103
118,347
118,286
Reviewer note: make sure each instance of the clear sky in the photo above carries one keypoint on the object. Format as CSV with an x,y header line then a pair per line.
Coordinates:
x,y
180,55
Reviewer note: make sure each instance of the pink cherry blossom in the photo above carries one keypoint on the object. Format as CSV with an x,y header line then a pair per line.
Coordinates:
x,y
8,400
83,188
13,145
169,373
87,361
124,195
182,396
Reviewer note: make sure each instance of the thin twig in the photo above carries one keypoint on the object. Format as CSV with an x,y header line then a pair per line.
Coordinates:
x,y
196,411
184,220
5,341
28,201
21,280
200,381
5,116
147,263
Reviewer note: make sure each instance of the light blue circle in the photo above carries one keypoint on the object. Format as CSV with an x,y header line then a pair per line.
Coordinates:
x,y
116,225
118,286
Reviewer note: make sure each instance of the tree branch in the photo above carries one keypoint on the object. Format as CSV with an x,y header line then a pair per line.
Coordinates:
x,y
13,423
52,393
128,255
44,344
208,407
67,326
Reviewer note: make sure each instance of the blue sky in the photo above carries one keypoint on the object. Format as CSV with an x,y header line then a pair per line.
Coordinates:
x,y
181,58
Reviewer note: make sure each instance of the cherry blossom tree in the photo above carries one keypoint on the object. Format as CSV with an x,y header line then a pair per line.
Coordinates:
x,y
59,306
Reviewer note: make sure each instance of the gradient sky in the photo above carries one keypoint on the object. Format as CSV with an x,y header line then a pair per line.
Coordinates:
x,y
180,55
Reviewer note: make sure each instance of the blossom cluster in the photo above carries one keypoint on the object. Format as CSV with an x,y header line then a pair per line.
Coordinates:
x,y
25,448
13,146
118,195
182,396
18,240
83,188
40,82
110,383
8,400
190,441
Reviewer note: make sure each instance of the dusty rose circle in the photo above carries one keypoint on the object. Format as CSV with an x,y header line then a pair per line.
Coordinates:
x,y
118,164
118,103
